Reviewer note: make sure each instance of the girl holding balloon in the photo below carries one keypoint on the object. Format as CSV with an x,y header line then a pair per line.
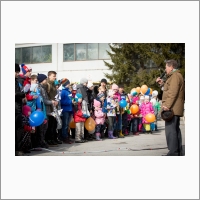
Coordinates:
x,y
146,108
111,107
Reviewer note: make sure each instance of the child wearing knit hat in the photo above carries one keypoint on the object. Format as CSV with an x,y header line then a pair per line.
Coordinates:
x,y
80,114
117,98
66,106
100,119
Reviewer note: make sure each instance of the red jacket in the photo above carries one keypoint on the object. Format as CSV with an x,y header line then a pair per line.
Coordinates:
x,y
29,97
78,115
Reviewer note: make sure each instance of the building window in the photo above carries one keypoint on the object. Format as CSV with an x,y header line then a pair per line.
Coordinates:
x,y
102,51
31,55
80,51
89,51
18,55
92,51
68,50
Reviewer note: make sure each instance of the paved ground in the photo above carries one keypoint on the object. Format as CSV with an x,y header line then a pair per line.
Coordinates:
x,y
142,145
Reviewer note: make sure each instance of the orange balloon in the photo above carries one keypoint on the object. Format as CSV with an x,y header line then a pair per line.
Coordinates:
x,y
134,109
72,124
144,89
90,124
138,89
132,90
150,118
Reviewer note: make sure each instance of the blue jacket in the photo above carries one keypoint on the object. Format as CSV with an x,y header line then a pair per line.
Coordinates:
x,y
66,100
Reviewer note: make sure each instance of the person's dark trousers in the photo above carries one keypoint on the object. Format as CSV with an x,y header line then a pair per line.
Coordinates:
x,y
73,132
102,130
86,134
40,134
124,122
173,136
66,118
18,133
51,131
135,122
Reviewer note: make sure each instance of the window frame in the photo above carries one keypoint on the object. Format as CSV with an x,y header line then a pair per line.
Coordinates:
x,y
31,56
86,53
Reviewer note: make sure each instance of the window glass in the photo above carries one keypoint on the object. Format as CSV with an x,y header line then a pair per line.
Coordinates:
x,y
102,51
36,55
92,51
68,51
80,51
46,54
18,55
26,55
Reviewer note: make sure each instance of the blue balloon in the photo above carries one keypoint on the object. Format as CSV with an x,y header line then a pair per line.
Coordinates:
x,y
122,103
148,91
36,118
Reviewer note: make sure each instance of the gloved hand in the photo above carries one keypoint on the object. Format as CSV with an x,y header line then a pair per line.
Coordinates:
x,y
85,116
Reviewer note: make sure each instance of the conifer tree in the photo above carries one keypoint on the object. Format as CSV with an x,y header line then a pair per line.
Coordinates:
x,y
131,61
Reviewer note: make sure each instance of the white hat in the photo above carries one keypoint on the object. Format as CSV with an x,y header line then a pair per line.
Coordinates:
x,y
90,85
154,93
74,87
146,97
142,98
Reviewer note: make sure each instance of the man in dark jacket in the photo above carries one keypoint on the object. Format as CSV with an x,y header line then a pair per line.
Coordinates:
x,y
52,125
19,96
173,99
42,86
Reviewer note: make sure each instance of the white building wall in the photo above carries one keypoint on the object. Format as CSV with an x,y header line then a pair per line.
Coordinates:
x,y
73,70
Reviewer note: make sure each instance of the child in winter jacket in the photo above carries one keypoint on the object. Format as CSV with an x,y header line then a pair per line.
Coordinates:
x,y
117,98
146,108
111,107
66,106
26,139
100,119
80,107
33,95
135,118
156,106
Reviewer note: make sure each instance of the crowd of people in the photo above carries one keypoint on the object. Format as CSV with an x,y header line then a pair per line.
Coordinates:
x,y
77,103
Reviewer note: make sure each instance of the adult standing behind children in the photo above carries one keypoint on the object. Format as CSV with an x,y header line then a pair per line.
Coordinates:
x,y
19,95
52,92
173,99
104,84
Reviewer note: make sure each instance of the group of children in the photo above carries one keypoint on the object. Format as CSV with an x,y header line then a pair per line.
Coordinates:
x,y
62,102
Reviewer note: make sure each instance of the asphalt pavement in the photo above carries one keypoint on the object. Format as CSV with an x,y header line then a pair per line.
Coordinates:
x,y
143,145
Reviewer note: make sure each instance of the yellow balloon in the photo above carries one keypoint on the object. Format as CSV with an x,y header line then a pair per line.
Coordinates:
x,y
144,89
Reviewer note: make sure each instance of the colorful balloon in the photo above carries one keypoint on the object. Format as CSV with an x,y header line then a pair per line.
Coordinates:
x,y
134,109
72,124
150,118
36,118
147,92
90,124
151,91
123,103
138,89
134,93
144,89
